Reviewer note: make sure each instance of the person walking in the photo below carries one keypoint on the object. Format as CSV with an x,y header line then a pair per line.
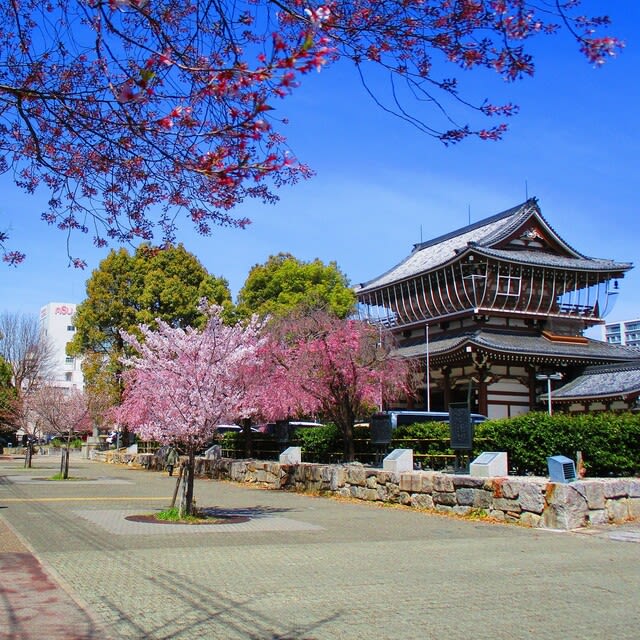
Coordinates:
x,y
171,459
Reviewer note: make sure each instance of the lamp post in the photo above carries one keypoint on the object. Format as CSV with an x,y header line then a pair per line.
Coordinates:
x,y
426,335
549,377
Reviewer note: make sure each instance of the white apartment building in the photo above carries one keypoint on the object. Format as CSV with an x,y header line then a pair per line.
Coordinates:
x,y
56,323
625,332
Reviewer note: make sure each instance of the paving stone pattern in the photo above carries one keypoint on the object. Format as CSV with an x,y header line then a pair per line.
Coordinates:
x,y
309,567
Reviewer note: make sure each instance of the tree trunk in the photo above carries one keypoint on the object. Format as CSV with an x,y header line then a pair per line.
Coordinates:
x,y
349,449
64,463
28,454
248,438
186,501
178,481
65,470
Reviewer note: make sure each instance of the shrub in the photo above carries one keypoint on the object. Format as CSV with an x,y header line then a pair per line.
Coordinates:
x,y
609,442
318,443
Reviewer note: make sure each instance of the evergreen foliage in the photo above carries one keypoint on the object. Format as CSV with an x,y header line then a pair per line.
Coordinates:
x,y
284,284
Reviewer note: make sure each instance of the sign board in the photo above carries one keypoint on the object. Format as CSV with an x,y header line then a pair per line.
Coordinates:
x,y
460,426
291,455
399,461
282,431
380,431
490,464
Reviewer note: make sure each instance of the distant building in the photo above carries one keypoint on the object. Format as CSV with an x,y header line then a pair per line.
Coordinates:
x,y
625,332
56,323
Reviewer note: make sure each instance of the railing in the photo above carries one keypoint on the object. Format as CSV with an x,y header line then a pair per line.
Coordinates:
x,y
586,311
428,453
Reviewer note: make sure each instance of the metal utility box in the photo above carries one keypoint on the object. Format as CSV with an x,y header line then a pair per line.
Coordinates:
x,y
490,464
399,460
561,469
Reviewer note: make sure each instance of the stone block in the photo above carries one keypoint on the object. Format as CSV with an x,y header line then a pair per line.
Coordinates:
x,y
529,519
406,482
598,516
441,508
462,510
531,497
633,487
404,497
482,499
497,515
426,482
382,477
338,478
615,488
371,482
393,490
510,489
442,483
566,507
421,501
465,496
634,507
593,491
447,499
356,475
468,481
617,510
507,506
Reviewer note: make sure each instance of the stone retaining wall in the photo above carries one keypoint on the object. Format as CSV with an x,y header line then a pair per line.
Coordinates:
x,y
531,501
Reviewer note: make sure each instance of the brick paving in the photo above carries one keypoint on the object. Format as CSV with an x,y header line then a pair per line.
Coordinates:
x,y
300,568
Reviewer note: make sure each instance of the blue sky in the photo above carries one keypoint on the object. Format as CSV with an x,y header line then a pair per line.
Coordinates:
x,y
381,185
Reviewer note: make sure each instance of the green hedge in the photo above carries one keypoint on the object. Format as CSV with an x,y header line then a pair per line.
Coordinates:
x,y
609,442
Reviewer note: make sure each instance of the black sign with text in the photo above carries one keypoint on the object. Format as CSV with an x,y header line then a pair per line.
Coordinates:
x,y
460,426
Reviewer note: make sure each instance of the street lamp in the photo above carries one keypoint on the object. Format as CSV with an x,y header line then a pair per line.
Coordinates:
x,y
428,366
549,377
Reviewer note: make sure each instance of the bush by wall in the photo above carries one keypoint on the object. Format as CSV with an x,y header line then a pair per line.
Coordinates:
x,y
609,442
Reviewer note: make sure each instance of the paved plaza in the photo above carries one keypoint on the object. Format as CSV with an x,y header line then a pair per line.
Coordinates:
x,y
291,567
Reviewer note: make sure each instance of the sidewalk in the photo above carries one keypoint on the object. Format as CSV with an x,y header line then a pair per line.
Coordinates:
x,y
34,603
293,567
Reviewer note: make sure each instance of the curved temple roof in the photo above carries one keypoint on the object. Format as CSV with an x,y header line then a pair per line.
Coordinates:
x,y
606,381
517,344
483,237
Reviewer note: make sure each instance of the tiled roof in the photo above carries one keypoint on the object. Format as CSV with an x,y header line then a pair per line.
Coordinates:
x,y
602,382
482,236
517,343
554,260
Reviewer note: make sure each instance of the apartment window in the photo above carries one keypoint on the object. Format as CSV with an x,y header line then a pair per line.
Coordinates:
x,y
68,376
70,327
68,360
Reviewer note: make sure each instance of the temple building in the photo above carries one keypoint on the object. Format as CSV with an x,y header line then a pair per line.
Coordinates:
x,y
496,314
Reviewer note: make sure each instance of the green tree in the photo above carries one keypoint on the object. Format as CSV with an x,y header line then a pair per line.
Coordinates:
x,y
7,398
284,283
127,290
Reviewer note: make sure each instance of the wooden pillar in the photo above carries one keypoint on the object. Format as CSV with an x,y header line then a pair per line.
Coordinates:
x,y
446,373
483,404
